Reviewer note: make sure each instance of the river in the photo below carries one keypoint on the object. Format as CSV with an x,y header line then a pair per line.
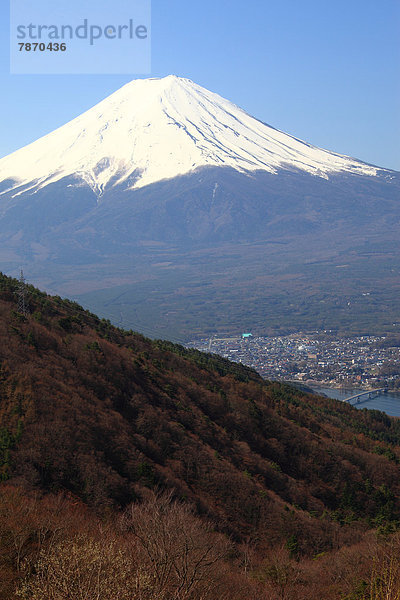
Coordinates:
x,y
388,403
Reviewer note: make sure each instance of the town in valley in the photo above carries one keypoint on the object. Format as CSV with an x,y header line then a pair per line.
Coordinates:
x,y
317,358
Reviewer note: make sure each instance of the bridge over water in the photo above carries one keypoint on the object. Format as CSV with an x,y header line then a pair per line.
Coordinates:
x,y
363,396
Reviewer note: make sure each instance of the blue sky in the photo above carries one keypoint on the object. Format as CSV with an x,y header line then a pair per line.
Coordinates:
x,y
326,72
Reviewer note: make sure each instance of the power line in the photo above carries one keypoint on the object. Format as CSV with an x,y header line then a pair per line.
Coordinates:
x,y
22,295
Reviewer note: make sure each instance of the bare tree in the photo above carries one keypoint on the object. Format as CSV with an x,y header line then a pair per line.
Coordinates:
x,y
81,568
280,575
183,556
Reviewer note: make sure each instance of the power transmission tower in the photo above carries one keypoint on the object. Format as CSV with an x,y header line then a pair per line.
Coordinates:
x,y
22,295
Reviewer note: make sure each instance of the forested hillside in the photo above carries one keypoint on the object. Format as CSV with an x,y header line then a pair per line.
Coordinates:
x,y
108,439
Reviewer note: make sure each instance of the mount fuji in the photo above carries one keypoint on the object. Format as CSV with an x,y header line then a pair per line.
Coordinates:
x,y
164,169
157,129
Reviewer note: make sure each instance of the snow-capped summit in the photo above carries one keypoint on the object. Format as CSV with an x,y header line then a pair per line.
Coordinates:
x,y
156,129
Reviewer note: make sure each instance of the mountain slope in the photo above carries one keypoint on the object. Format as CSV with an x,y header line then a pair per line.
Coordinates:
x,y
105,414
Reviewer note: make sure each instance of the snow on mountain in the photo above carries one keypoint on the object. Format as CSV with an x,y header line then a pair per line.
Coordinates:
x,y
155,129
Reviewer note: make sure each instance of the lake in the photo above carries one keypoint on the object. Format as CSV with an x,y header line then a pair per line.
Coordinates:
x,y
387,403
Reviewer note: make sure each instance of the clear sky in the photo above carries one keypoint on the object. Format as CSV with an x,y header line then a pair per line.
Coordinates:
x,y
325,71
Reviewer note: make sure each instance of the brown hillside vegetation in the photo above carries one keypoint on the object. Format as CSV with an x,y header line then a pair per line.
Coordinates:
x,y
268,487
